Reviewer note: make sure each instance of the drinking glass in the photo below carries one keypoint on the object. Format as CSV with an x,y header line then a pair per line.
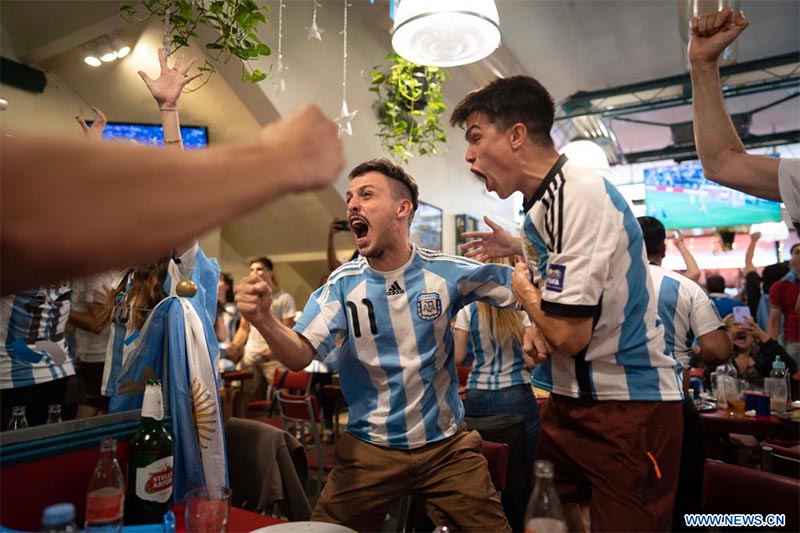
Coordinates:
x,y
207,509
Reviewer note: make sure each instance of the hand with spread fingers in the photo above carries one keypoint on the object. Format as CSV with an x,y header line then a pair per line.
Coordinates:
x,y
167,88
488,244
95,131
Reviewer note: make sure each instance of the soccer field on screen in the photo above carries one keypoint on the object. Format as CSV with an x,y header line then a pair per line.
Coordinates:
x,y
681,210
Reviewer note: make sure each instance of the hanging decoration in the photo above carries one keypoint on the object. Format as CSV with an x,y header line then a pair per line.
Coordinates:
x,y
314,31
346,117
279,85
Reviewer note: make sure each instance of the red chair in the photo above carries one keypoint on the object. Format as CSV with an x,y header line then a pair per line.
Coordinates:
x,y
780,460
731,489
496,454
302,410
296,382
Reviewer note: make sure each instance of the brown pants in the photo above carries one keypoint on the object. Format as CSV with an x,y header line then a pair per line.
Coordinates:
x,y
451,477
621,456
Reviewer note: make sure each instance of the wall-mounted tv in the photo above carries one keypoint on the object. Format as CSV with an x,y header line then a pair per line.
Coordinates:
x,y
681,197
426,228
193,136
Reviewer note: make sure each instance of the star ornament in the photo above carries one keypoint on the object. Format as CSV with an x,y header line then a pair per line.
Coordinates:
x,y
314,31
344,120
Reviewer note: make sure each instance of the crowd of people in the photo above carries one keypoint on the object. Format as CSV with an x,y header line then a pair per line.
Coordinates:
x,y
576,305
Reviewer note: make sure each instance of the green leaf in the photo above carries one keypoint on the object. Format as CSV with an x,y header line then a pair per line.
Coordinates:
x,y
263,49
258,75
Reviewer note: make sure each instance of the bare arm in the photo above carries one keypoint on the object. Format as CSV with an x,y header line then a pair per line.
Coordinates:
x,y
751,249
195,192
774,322
460,339
235,349
692,270
718,145
487,244
254,299
568,334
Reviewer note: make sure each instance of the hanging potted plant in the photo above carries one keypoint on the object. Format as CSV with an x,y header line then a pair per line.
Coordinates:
x,y
409,106
235,21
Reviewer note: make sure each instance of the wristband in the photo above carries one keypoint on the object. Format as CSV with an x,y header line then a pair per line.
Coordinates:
x,y
176,141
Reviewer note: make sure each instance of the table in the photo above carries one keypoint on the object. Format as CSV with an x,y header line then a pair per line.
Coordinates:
x,y
231,398
719,425
238,519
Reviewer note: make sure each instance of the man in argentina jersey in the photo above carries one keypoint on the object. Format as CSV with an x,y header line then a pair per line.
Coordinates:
x,y
34,357
393,306
686,312
613,423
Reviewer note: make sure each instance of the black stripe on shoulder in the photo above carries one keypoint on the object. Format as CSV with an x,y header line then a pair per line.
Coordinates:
x,y
578,311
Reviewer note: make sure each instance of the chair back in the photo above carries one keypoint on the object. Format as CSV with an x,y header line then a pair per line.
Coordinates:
x,y
298,382
780,460
496,454
731,489
266,466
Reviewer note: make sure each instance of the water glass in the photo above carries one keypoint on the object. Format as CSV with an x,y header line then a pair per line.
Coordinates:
x,y
207,509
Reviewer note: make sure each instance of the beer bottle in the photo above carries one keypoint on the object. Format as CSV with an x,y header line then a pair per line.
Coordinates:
x,y
150,464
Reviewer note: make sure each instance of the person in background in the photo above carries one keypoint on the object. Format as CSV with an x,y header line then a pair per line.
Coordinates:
x,y
613,423
500,381
715,285
692,270
754,352
769,276
719,147
751,295
256,354
784,302
393,305
687,313
227,320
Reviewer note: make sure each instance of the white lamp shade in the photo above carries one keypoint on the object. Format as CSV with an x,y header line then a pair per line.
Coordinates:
x,y
446,33
587,154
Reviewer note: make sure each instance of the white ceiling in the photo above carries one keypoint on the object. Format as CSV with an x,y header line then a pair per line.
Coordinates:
x,y
568,45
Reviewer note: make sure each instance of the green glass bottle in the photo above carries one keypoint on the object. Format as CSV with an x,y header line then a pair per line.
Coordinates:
x,y
150,463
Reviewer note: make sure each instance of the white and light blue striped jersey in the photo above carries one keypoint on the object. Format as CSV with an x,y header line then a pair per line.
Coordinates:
x,y
585,250
33,343
496,365
396,362
685,310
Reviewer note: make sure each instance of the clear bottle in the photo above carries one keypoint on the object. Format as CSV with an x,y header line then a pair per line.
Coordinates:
x,y
727,381
53,413
777,386
544,513
105,498
18,419
59,518
150,463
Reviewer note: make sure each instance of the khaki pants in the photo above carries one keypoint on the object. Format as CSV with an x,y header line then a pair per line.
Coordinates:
x,y
450,477
621,456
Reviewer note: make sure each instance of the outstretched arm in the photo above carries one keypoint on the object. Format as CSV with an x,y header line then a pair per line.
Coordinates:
x,y
692,270
718,145
139,202
751,249
488,244
95,131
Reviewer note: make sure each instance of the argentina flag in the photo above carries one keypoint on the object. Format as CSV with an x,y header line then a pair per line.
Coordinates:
x,y
181,328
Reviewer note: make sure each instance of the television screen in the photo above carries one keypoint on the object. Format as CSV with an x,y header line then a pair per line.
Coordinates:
x,y
426,228
681,197
193,136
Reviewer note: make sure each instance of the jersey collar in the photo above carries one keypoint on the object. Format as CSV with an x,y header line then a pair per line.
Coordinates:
x,y
551,175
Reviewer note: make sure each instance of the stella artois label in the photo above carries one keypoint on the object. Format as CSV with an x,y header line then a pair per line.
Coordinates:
x,y
154,481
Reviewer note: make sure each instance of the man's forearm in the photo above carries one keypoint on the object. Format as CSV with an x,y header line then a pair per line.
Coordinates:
x,y
566,334
287,346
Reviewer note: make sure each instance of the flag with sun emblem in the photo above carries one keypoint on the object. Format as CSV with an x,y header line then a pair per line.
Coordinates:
x,y
182,330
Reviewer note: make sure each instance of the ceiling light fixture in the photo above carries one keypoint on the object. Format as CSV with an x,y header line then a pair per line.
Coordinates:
x,y
92,61
587,154
121,48
107,55
446,33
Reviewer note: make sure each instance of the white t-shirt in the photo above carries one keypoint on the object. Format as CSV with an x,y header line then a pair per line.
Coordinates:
x,y
789,186
91,347
283,307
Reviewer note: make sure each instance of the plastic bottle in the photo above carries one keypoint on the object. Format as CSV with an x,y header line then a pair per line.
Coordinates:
x,y
59,518
727,382
105,498
150,463
18,419
53,413
544,513
777,386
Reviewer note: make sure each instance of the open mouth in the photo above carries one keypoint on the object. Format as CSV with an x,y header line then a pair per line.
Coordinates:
x,y
358,227
478,173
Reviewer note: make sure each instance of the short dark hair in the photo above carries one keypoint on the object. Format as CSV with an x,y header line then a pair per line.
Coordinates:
x,y
390,170
263,260
795,245
654,235
715,283
506,101
771,274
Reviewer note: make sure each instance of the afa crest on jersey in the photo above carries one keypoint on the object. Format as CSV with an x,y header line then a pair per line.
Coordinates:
x,y
429,305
